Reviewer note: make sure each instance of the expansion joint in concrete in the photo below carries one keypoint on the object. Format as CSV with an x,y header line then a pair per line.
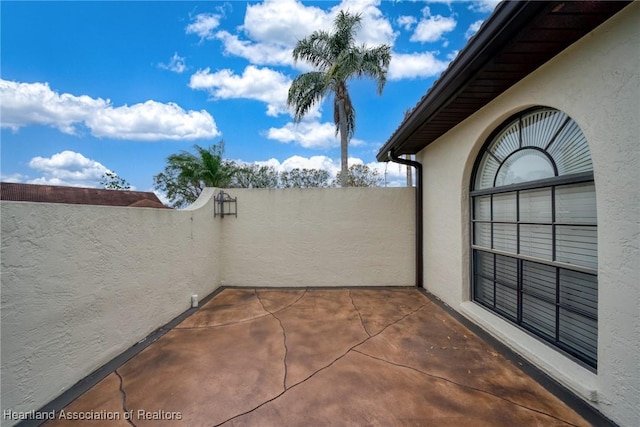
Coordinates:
x,y
284,337
124,398
457,384
291,304
359,314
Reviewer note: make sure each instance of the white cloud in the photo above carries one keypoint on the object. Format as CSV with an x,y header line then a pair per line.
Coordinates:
x,y
25,104
375,28
67,168
415,65
473,28
299,162
393,174
407,22
203,25
261,84
483,6
273,27
478,6
432,27
35,103
445,2
306,134
14,177
452,55
152,121
256,53
283,22
176,64
310,134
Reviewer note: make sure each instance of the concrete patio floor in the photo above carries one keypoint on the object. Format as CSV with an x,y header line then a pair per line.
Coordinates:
x,y
319,357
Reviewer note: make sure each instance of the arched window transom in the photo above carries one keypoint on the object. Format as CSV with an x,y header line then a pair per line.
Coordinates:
x,y
534,223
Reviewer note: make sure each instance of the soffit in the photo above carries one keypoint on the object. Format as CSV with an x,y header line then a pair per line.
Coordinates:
x,y
514,41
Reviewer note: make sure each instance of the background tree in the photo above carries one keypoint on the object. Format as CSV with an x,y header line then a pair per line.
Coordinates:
x,y
336,59
111,181
254,176
361,176
304,178
187,174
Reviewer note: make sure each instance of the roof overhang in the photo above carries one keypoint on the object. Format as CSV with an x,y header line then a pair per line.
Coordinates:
x,y
515,40
18,192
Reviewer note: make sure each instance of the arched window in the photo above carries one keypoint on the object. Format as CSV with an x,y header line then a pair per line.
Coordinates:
x,y
534,228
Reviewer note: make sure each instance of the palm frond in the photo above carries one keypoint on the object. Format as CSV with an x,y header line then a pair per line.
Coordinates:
x,y
305,91
375,63
315,50
345,25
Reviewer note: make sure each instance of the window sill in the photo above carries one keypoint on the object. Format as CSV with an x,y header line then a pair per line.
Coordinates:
x,y
570,374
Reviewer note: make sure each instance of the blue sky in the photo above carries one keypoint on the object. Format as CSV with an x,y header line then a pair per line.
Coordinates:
x,y
88,87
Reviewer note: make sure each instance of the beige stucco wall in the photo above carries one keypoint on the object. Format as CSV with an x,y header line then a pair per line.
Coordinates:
x,y
321,237
597,82
81,284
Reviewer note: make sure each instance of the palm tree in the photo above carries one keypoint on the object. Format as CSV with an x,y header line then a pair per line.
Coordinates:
x,y
186,174
336,59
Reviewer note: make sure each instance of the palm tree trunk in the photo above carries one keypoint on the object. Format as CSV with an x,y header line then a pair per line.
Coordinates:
x,y
344,145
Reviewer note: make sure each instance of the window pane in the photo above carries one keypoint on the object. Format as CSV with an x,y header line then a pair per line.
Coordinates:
x,y
507,141
484,290
579,291
580,334
504,237
525,165
539,280
535,205
539,316
577,245
536,241
539,128
504,207
576,203
507,301
570,151
487,172
484,264
482,208
482,234
483,277
507,271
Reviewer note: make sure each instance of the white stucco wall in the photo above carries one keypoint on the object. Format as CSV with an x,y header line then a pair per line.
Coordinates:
x,y
81,284
597,82
321,237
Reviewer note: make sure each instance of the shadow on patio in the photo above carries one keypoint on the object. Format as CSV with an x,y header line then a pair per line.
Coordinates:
x,y
274,357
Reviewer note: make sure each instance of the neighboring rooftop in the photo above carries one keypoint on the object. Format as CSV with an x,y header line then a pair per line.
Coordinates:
x,y
78,196
515,40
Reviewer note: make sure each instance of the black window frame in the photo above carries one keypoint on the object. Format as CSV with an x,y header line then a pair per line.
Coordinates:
x,y
563,310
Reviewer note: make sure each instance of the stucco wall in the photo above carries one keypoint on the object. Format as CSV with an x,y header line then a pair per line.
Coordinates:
x,y
321,237
80,284
597,82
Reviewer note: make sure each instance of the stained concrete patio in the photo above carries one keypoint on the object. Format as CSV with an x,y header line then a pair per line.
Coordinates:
x,y
319,357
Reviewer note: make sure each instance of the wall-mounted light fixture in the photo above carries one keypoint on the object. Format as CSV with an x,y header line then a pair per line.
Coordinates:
x,y
225,205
